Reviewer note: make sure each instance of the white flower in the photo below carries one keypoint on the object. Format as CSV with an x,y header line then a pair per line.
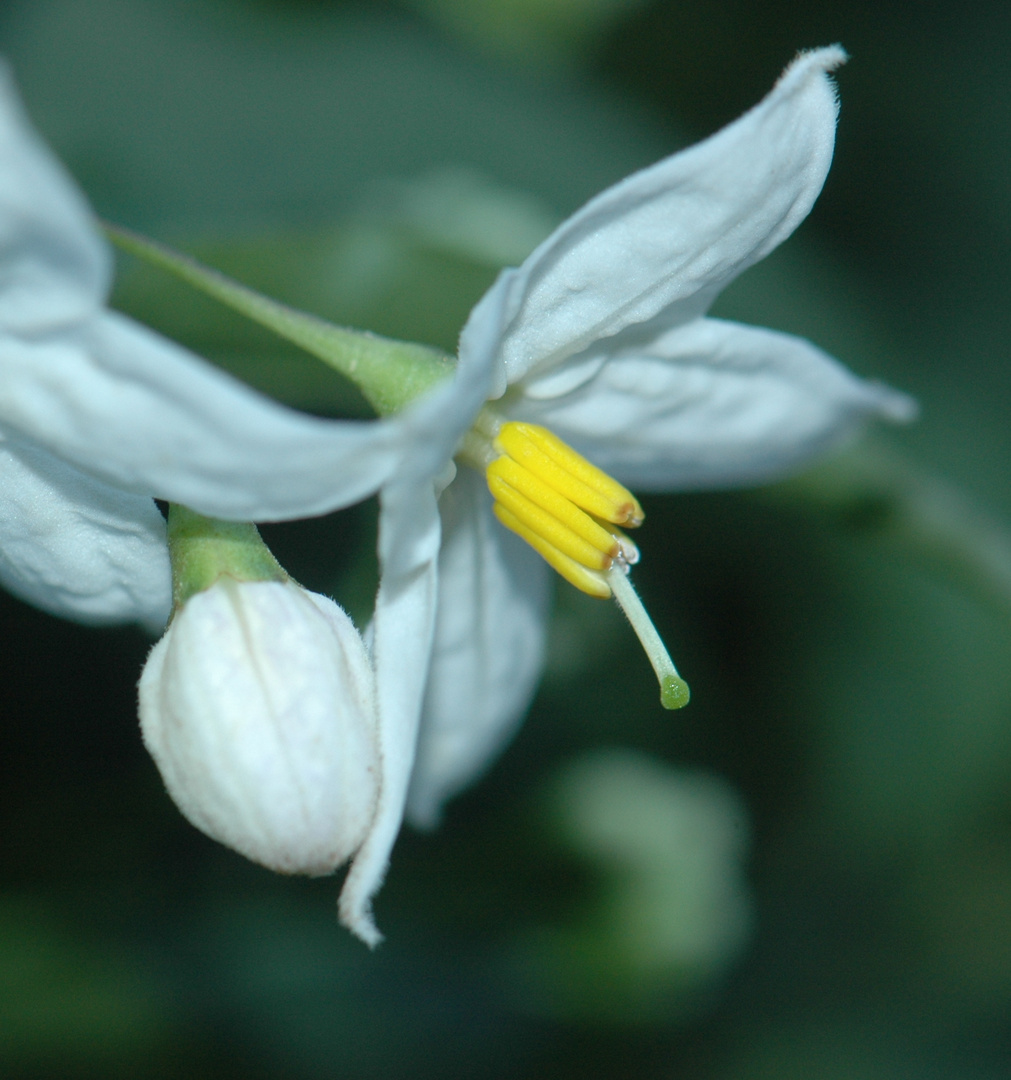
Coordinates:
x,y
601,335
258,706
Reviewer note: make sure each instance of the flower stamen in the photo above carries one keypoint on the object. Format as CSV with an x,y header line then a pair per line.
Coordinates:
x,y
591,489
563,506
589,581
568,511
548,511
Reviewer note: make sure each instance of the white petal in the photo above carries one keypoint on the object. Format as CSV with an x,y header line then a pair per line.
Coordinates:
x,y
404,622
78,548
488,651
144,414
676,233
712,404
401,644
54,267
135,410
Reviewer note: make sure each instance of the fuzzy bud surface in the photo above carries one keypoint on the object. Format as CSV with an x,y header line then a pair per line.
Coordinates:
x,y
258,707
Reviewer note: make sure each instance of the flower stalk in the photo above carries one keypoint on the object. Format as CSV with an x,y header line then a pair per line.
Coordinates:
x,y
390,374
203,550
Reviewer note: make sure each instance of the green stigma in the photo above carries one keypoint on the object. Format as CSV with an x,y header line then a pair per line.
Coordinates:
x,y
674,692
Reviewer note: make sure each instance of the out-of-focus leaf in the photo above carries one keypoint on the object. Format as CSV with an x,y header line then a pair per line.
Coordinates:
x,y
669,911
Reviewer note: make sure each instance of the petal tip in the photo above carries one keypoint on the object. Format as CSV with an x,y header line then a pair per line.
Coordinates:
x,y
894,405
817,62
825,59
358,919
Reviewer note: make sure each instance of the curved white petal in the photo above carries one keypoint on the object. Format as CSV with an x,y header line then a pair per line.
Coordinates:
x,y
54,267
143,413
78,548
488,650
404,622
401,644
712,404
676,233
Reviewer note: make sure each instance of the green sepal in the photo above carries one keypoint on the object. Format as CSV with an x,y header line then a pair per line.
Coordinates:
x,y
203,550
390,373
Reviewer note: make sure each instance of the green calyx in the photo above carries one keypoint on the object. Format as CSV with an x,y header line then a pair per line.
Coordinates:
x,y
390,373
203,550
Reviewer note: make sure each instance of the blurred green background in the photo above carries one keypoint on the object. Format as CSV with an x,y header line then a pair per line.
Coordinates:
x,y
808,872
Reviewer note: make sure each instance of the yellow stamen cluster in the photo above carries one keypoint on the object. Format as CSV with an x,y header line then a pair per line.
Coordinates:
x,y
563,506
569,512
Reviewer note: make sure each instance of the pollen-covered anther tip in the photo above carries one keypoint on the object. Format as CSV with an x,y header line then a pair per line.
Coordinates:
x,y
632,516
625,552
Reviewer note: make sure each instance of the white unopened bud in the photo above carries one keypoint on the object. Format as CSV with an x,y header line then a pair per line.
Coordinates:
x,y
258,707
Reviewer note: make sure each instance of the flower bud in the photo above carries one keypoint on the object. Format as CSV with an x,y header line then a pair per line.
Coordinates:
x,y
258,707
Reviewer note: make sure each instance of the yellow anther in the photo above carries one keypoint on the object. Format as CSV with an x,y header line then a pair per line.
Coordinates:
x,y
589,581
566,509
570,474
563,506
506,471
552,531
